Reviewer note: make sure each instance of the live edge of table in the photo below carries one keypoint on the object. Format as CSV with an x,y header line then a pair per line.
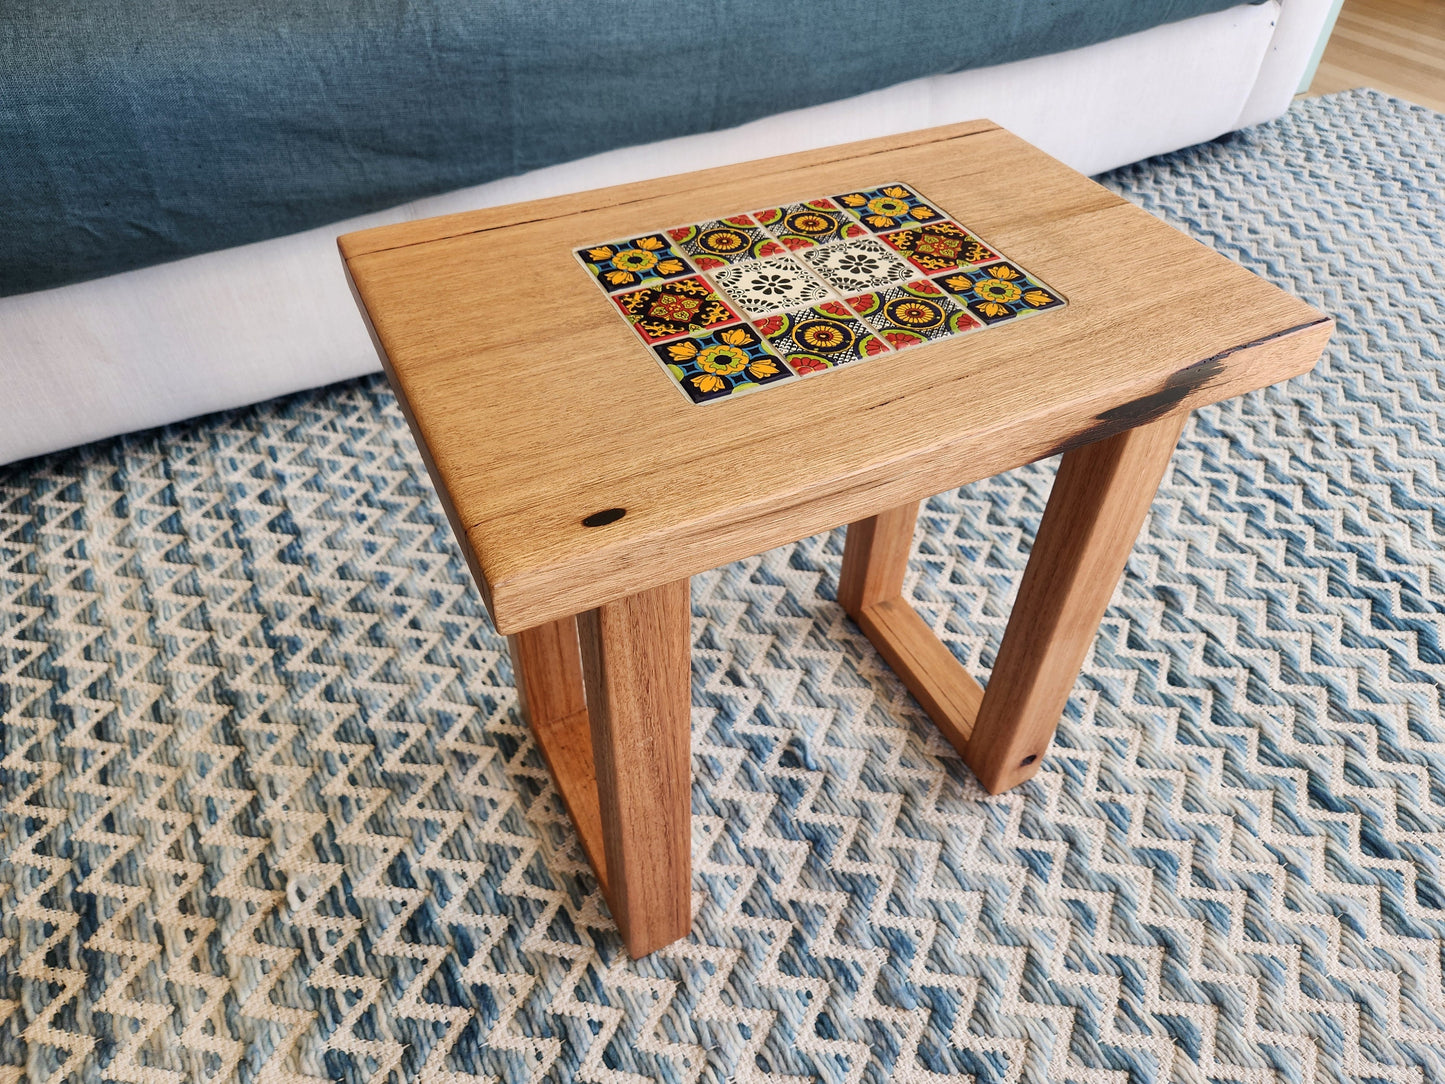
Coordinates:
x,y
505,358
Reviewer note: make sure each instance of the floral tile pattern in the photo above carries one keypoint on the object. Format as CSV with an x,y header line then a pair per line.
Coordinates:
x,y
711,245
913,314
804,225
892,207
770,286
717,364
855,266
1000,292
619,265
821,337
765,297
674,308
943,246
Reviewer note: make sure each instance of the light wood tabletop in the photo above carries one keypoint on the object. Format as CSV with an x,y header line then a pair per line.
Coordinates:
x,y
539,408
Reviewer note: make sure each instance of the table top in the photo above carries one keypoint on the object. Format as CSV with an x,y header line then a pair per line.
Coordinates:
x,y
607,400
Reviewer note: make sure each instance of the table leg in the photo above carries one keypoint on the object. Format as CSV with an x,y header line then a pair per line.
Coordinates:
x,y
636,658
548,667
1099,500
870,589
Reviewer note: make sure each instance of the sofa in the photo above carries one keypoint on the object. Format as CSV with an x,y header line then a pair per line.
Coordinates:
x,y
175,173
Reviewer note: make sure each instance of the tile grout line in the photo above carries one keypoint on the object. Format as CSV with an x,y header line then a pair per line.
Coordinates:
x,y
798,259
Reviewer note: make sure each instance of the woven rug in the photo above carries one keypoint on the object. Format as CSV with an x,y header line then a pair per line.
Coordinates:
x,y
270,812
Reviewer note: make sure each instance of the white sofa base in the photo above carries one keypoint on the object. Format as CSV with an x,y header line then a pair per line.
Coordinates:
x,y
238,326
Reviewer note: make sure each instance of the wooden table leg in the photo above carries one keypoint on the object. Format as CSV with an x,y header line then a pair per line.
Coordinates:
x,y
870,589
548,667
1098,503
636,658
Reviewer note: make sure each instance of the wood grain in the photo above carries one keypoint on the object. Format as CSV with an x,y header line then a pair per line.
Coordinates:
x,y
870,589
547,663
1397,46
1100,497
875,558
679,187
463,312
943,688
636,658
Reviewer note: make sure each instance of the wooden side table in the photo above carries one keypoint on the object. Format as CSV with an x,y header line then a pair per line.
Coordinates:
x,y
609,403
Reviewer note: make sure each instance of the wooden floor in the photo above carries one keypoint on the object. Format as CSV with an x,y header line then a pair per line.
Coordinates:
x,y
1397,46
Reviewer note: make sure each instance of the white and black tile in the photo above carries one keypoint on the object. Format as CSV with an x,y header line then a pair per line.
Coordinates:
x,y
770,285
855,266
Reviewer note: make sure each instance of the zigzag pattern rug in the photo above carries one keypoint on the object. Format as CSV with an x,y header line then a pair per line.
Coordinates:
x,y
270,813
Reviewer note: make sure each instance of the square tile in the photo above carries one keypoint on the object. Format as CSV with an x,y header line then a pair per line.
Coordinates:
x,y
857,266
913,314
941,246
891,207
822,337
770,285
1000,292
711,245
805,225
620,265
669,309
717,364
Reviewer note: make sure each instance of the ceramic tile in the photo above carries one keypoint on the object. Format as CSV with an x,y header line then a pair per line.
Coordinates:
x,y
710,245
620,265
941,246
857,266
721,363
913,314
747,300
770,286
1002,291
821,337
669,309
891,207
805,225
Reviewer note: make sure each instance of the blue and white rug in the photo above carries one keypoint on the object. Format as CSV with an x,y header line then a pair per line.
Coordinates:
x,y
270,813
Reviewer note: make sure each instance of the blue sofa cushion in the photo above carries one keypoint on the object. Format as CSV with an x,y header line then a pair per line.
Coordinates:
x,y
138,131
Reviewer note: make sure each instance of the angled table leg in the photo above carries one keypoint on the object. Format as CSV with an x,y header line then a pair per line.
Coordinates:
x,y
637,665
870,589
623,768
548,667
1099,500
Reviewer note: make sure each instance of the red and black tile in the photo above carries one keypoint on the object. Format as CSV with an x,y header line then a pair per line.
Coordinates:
x,y
821,337
942,246
913,314
711,245
669,309
808,224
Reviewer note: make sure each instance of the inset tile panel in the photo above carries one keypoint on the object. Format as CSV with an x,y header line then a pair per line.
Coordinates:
x,y
669,309
806,225
821,337
721,363
858,265
943,246
770,285
715,244
619,265
891,207
999,292
913,314
752,299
